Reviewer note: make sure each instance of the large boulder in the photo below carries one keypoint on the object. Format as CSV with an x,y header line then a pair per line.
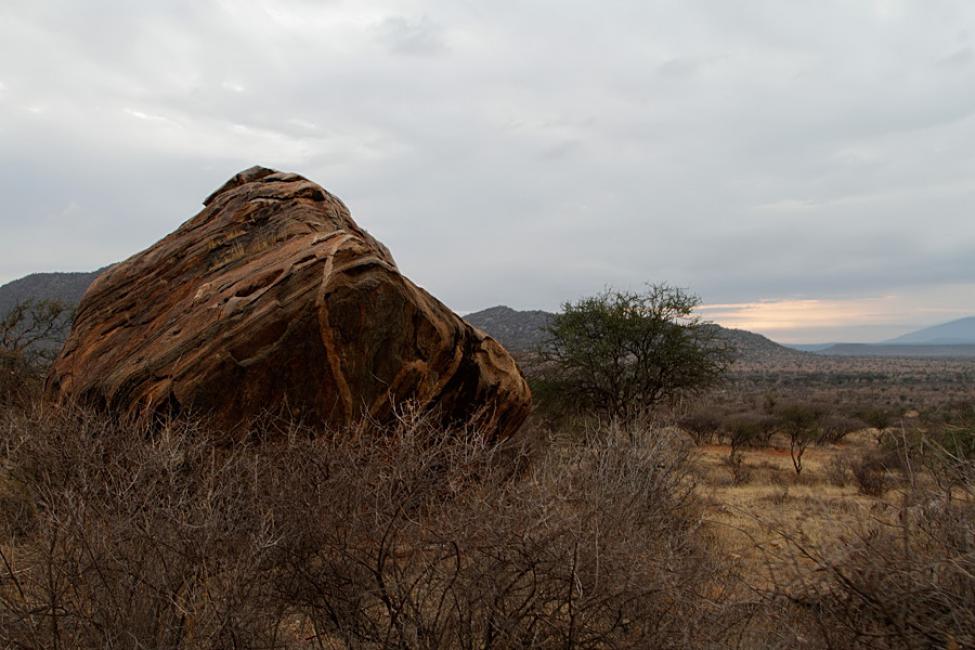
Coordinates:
x,y
273,299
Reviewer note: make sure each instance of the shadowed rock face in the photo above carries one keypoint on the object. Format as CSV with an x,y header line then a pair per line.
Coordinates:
x,y
273,299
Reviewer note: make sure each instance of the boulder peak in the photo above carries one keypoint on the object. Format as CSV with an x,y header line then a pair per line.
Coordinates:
x,y
273,298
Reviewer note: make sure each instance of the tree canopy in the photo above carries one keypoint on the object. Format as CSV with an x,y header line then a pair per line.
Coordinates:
x,y
624,352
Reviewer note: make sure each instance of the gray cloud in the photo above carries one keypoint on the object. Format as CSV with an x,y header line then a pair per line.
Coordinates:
x,y
515,152
404,35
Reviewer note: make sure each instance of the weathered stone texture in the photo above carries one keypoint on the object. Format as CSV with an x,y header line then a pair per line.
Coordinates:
x,y
273,299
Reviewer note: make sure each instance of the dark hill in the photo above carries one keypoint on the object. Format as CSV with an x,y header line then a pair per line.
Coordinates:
x,y
65,287
755,348
519,331
523,331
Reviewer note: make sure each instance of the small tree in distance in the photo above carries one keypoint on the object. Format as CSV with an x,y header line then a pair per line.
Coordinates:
x,y
803,424
625,352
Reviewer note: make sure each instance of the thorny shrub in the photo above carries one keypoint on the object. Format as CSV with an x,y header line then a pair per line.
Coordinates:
x,y
115,535
870,473
839,469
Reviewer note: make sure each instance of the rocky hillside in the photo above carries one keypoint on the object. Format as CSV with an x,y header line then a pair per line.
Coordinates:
x,y
519,331
523,331
755,348
65,287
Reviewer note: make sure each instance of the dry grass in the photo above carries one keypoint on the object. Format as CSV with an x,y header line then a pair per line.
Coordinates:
x,y
746,518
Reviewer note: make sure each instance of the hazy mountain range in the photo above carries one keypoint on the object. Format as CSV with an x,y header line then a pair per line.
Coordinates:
x,y
521,331
961,331
898,350
953,339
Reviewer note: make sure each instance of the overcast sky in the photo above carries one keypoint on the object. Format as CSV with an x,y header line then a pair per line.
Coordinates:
x,y
807,168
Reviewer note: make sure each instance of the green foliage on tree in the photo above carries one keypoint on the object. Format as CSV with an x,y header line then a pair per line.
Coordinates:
x,y
748,429
801,422
876,417
623,352
702,425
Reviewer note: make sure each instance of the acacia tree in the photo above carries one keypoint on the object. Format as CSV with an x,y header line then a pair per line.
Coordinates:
x,y
748,429
624,352
803,424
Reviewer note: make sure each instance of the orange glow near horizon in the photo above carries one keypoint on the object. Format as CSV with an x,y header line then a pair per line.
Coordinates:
x,y
824,320
780,318
790,314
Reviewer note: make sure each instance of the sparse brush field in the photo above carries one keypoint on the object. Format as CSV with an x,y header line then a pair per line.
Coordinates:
x,y
754,509
691,529
862,477
902,384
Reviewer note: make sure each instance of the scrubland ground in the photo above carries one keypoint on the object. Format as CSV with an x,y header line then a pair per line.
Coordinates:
x,y
795,541
578,535
747,517
838,490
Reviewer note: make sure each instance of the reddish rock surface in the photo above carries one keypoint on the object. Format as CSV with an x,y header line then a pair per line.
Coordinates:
x,y
273,299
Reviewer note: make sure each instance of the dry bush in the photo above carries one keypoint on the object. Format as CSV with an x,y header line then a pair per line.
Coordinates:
x,y
702,425
870,473
35,329
31,333
413,537
749,429
839,469
876,417
835,427
20,381
594,547
740,472
955,412
953,457
136,538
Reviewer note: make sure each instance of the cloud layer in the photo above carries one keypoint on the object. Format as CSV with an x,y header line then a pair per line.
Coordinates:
x,y
522,152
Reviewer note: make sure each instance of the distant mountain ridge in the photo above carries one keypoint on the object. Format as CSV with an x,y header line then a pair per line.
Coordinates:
x,y
955,339
524,331
960,331
919,350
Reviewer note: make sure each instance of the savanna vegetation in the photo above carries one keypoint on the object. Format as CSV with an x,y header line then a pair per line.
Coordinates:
x,y
726,507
